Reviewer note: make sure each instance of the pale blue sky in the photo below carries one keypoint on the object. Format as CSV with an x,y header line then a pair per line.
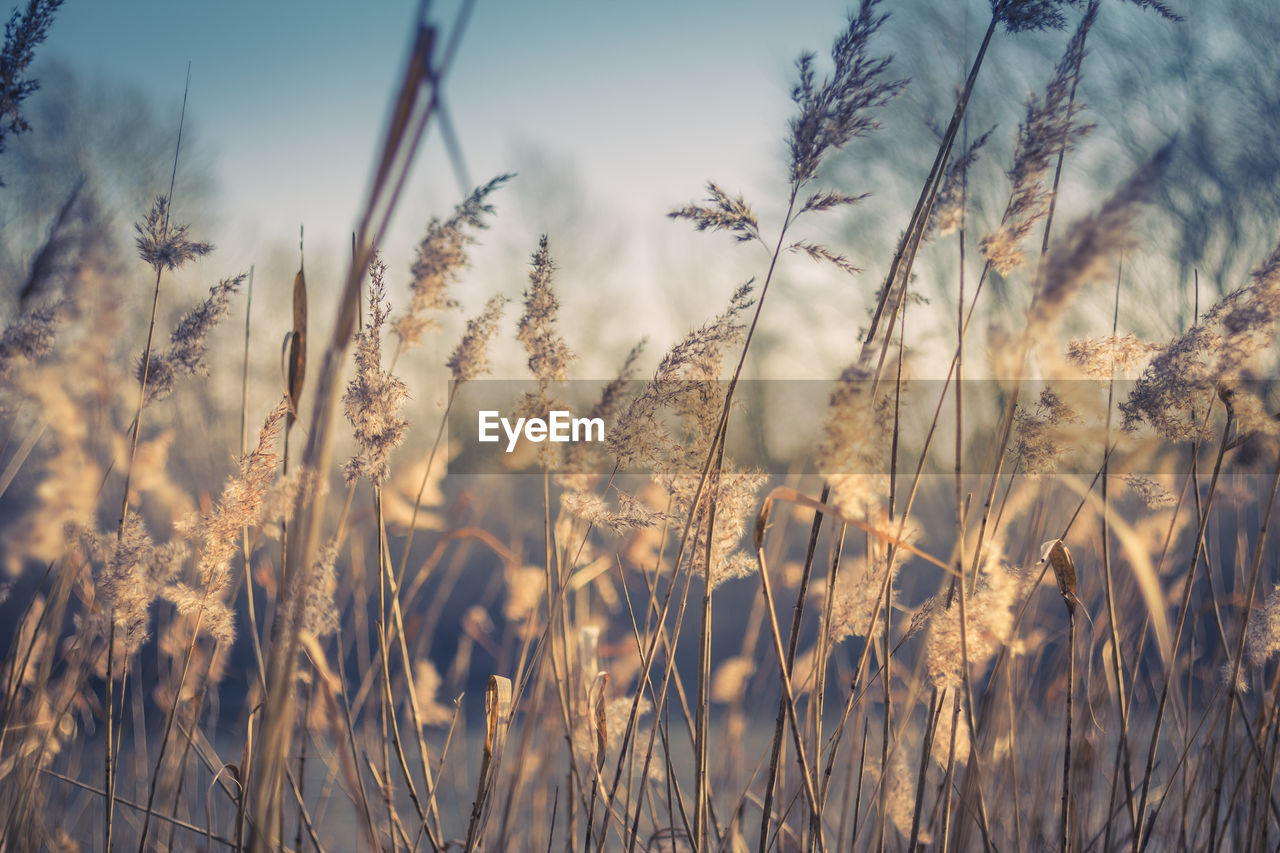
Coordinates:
x,y
644,100
632,106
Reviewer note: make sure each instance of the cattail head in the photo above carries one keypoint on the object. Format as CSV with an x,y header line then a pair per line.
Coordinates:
x,y
296,368
1064,571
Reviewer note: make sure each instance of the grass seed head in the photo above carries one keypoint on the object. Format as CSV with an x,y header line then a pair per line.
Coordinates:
x,y
163,245
374,396
440,260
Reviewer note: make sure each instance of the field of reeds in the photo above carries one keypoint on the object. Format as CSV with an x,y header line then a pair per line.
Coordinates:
x,y
1005,582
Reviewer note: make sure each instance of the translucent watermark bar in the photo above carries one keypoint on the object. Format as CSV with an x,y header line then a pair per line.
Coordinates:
x,y
781,426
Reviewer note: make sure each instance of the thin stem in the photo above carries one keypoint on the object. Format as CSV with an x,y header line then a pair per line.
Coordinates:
x,y
792,642
1183,610
1064,830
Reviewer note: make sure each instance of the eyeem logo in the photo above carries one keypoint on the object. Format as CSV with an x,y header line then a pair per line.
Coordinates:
x,y
561,426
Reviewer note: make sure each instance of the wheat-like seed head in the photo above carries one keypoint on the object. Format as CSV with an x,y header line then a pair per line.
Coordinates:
x,y
441,257
164,245
374,396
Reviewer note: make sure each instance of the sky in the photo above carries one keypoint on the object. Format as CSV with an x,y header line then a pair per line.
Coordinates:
x,y
641,101
613,114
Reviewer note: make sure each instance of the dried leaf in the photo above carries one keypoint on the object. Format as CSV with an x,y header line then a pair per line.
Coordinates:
x,y
497,713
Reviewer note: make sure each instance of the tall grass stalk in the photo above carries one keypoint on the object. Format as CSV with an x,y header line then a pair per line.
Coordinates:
x,y
1238,652
109,762
1183,607
409,115
626,737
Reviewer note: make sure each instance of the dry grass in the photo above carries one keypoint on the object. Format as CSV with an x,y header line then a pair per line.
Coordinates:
x,y
184,680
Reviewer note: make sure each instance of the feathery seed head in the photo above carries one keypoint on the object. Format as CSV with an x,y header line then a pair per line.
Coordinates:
x,y
241,504
1103,358
631,514
990,610
1262,638
1151,492
948,207
188,342
29,337
1029,15
640,437
835,111
858,595
1084,254
1040,443
374,396
165,246
133,571
1231,336
856,437
440,260
1048,128
320,616
722,212
470,359
549,355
